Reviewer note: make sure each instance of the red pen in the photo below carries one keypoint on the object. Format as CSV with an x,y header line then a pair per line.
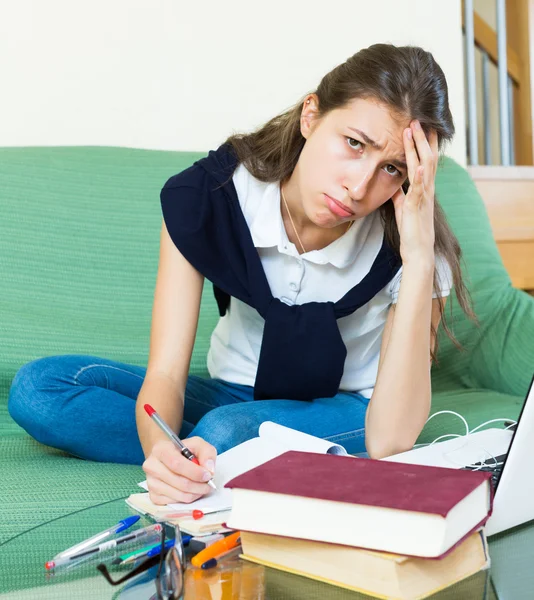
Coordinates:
x,y
166,429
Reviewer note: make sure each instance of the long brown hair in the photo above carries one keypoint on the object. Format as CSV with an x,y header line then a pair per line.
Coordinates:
x,y
409,81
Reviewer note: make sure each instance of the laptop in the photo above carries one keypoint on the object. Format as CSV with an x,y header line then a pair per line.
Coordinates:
x,y
507,453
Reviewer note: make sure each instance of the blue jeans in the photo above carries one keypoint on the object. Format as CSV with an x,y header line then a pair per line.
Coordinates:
x,y
85,405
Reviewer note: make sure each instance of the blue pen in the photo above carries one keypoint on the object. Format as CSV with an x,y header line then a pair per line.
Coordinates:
x,y
209,564
120,526
155,551
168,544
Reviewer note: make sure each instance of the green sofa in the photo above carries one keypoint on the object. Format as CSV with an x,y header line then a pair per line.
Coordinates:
x,y
78,259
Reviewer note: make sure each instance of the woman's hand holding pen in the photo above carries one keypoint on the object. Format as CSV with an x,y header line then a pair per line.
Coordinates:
x,y
173,478
414,211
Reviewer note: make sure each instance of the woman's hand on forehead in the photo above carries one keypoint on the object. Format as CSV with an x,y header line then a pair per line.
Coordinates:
x,y
424,153
414,211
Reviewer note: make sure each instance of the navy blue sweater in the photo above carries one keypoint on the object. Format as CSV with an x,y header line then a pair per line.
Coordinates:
x,y
302,354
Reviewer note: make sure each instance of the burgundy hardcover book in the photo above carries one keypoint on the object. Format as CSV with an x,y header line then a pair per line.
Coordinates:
x,y
395,507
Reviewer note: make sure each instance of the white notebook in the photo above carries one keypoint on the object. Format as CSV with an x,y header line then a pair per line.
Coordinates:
x,y
272,441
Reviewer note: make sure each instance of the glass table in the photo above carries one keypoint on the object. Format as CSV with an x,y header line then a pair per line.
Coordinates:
x,y
23,576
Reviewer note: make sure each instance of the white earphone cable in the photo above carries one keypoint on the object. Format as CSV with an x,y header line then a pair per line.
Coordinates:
x,y
479,464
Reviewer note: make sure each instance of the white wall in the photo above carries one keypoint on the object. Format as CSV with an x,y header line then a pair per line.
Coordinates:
x,y
177,75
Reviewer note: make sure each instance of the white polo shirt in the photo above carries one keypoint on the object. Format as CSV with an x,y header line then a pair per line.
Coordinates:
x,y
316,276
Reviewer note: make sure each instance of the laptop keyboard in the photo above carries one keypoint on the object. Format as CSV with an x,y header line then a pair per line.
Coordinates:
x,y
490,466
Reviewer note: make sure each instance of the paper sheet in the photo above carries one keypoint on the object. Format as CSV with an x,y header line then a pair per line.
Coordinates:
x,y
273,440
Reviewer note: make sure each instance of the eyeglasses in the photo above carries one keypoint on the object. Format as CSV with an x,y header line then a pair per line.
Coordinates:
x,y
171,567
171,571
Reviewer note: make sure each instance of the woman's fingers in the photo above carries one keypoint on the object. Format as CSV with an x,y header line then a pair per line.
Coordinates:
x,y
423,147
417,189
170,456
205,452
421,152
158,488
160,499
412,160
398,198
156,469
427,156
173,478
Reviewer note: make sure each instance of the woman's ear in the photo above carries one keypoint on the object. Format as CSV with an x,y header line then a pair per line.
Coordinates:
x,y
309,114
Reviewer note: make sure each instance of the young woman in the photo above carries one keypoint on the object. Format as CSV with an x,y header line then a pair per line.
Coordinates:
x,y
331,261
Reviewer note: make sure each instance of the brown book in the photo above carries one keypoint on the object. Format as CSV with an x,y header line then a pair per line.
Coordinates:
x,y
378,573
406,509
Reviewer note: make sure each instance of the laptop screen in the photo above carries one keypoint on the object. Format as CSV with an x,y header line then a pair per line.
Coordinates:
x,y
530,393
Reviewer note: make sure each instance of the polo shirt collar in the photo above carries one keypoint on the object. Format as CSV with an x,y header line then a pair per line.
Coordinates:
x,y
268,231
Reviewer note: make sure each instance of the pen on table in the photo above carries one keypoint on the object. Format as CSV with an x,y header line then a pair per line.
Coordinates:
x,y
126,559
88,552
120,526
213,562
147,551
195,514
173,437
217,549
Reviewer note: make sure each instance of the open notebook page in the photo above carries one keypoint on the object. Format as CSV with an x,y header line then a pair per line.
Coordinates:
x,y
273,440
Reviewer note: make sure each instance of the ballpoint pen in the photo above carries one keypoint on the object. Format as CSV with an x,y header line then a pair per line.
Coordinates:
x,y
174,438
217,549
125,559
153,551
213,562
182,514
144,553
120,526
147,552
88,552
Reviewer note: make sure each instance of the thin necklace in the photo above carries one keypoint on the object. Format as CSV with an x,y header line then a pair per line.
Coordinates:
x,y
293,223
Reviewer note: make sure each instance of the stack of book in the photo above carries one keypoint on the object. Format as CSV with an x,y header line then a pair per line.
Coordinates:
x,y
387,529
